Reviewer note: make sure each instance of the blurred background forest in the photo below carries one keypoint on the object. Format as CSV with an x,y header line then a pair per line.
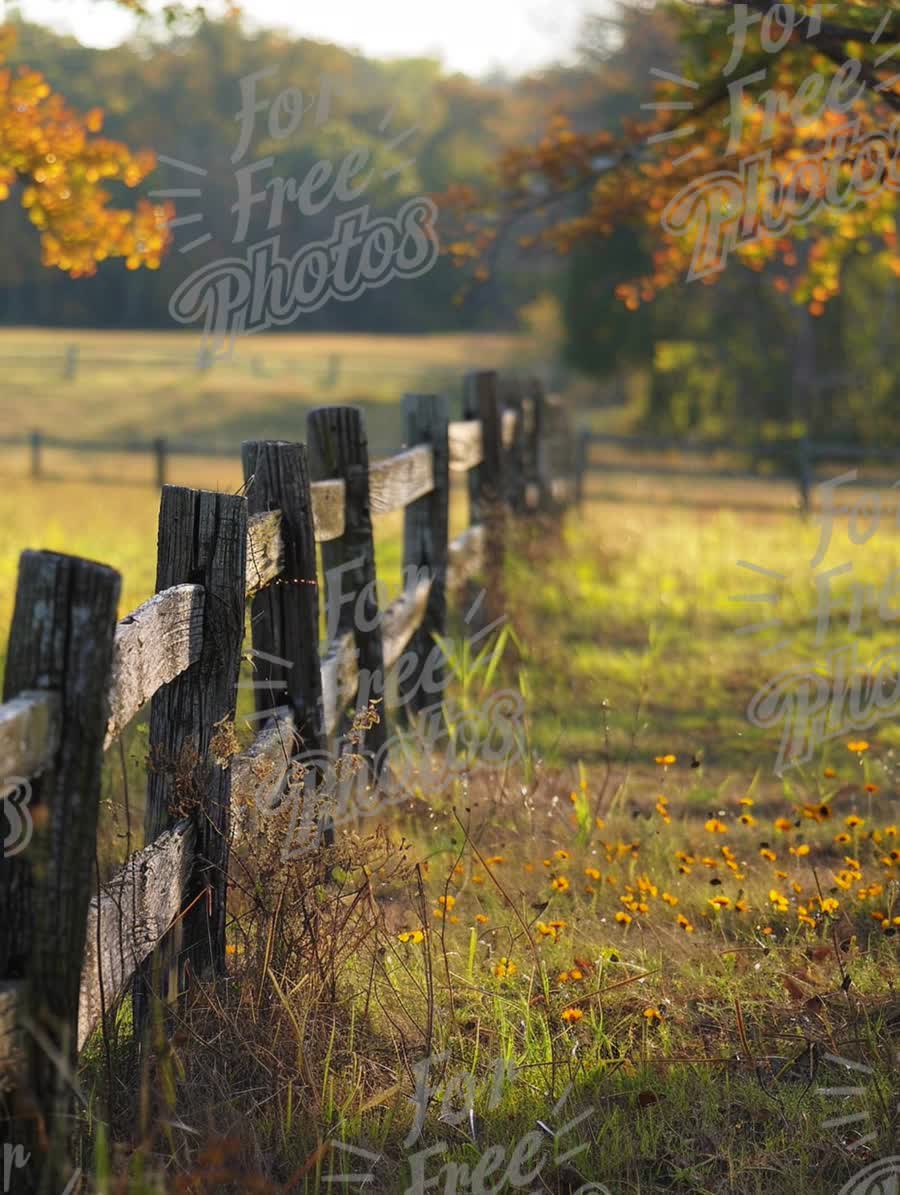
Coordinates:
x,y
737,359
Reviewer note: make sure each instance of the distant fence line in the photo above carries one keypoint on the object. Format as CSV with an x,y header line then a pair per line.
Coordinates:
x,y
72,360
75,678
797,457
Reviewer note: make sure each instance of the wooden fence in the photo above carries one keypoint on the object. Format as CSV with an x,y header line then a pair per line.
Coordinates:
x,y
75,678
793,460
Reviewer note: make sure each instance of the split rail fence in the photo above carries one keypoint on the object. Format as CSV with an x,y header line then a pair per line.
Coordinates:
x,y
76,677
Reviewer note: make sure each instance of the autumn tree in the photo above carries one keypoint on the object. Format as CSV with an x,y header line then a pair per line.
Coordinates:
x,y
55,160
775,141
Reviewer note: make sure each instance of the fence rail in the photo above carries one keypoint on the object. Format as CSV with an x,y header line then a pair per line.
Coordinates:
x,y
76,678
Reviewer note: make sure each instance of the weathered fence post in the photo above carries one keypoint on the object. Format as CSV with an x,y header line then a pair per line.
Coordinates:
x,y
61,640
532,432
486,488
285,616
36,455
425,537
333,372
804,472
70,369
556,455
514,447
338,448
159,455
202,540
581,467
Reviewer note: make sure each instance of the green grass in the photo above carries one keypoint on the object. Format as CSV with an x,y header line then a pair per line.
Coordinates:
x,y
629,651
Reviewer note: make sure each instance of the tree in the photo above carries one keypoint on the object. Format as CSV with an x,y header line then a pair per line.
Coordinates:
x,y
56,161
791,135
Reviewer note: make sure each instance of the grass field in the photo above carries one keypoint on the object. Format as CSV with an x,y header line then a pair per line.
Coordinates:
x,y
636,918
147,384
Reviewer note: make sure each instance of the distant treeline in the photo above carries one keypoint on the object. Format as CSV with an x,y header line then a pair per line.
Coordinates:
x,y
181,99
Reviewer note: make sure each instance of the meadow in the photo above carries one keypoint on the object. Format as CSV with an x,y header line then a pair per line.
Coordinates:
x,y
633,955
139,385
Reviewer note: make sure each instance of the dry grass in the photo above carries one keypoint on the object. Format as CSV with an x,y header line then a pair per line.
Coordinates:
x,y
720,954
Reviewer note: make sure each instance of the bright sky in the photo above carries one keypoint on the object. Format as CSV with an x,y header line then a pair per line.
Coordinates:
x,y
468,35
